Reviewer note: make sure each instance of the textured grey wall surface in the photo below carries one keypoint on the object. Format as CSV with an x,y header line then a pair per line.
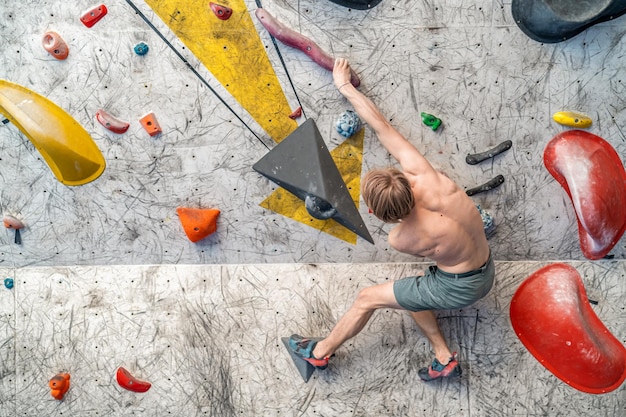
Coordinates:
x,y
466,63
105,276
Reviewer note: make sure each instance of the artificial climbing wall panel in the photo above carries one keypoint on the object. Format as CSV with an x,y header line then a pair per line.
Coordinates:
x,y
468,64
207,337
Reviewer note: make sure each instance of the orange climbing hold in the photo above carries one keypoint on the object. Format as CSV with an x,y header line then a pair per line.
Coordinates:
x,y
150,123
198,223
11,222
296,113
55,45
59,384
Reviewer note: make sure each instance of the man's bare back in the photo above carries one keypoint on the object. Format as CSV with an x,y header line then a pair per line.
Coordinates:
x,y
444,226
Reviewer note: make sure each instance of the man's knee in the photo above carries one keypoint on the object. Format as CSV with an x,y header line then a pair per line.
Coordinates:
x,y
371,298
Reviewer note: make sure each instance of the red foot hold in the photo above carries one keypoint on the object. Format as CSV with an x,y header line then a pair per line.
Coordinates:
x,y
552,317
222,12
59,384
55,45
93,15
110,122
198,223
296,113
129,382
592,174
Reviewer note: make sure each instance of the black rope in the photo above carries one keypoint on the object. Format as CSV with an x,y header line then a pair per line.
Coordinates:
x,y
196,73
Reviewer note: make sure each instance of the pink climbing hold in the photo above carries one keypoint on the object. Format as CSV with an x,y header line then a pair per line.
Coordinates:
x,y
592,174
552,317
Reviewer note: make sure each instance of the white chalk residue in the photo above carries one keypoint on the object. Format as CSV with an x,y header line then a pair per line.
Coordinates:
x,y
575,164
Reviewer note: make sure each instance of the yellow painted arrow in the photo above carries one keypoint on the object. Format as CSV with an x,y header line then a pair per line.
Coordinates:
x,y
233,52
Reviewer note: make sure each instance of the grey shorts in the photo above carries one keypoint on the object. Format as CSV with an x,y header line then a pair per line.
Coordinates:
x,y
440,290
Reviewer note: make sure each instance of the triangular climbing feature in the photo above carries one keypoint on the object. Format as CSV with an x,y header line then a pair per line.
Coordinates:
x,y
302,165
232,50
305,369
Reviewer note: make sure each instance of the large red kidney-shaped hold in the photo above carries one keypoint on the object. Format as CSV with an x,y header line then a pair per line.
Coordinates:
x,y
592,174
552,317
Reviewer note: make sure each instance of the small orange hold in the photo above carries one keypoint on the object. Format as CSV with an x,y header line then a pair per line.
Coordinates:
x,y
11,222
59,384
296,113
150,123
55,45
198,223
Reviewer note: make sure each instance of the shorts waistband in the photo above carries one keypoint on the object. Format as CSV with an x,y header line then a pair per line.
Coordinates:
x,y
466,274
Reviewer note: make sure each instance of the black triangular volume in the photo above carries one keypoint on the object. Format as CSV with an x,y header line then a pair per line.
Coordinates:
x,y
302,165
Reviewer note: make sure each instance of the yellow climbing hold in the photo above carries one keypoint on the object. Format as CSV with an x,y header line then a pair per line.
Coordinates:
x,y
65,145
572,119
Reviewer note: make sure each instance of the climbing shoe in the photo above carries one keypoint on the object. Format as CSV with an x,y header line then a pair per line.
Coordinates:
x,y
303,348
436,370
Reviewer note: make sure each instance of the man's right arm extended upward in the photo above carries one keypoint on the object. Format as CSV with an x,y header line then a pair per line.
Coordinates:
x,y
411,160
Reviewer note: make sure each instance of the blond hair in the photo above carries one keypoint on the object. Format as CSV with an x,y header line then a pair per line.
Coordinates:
x,y
388,194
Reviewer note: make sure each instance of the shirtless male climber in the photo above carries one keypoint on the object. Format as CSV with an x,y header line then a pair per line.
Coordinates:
x,y
436,219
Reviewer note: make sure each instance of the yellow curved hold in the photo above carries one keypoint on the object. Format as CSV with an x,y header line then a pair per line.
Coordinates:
x,y
65,145
572,119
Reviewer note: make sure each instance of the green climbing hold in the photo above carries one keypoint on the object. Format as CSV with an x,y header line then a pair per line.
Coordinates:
x,y
431,121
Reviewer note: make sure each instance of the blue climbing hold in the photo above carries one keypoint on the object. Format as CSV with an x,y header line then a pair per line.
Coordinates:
x,y
8,282
489,223
348,124
141,48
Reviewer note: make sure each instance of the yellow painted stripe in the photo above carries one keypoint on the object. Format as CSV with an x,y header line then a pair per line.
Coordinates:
x,y
348,157
233,52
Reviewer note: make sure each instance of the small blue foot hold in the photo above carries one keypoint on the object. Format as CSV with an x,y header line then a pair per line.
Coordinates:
x,y
141,48
489,223
8,282
348,124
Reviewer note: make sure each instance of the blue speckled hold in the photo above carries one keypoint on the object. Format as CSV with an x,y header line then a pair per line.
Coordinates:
x,y
348,124
489,223
141,48
8,282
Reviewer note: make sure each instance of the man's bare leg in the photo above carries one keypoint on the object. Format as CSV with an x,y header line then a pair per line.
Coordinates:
x,y
369,300
427,322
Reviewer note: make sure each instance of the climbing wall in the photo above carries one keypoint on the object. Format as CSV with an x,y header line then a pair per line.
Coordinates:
x,y
463,64
105,275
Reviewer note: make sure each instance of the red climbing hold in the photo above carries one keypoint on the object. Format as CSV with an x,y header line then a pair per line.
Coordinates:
x,y
55,45
553,318
296,113
129,382
59,384
110,122
222,12
592,174
93,15
198,223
